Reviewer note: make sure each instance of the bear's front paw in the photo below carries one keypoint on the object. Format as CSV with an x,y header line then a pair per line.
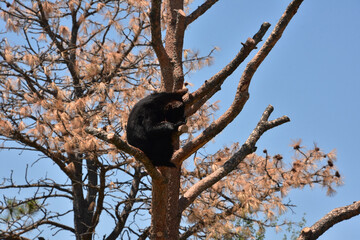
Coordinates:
x,y
183,129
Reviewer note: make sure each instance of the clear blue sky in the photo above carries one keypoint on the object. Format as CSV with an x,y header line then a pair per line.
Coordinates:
x,y
312,75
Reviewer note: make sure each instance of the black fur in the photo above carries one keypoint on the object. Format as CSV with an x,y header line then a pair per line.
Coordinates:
x,y
152,123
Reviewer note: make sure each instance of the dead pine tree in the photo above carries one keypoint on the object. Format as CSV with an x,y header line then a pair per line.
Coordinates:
x,y
71,71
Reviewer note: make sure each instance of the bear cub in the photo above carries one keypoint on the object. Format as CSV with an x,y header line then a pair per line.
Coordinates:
x,y
152,123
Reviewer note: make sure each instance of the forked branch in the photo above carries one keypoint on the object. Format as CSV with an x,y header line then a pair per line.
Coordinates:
x,y
213,85
231,164
124,146
269,43
242,91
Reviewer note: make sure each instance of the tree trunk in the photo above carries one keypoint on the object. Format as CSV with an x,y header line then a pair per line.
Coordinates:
x,y
165,221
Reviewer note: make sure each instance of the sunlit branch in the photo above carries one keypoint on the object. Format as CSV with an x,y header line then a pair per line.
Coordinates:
x,y
213,85
329,220
275,35
200,11
156,40
242,93
231,164
174,40
124,146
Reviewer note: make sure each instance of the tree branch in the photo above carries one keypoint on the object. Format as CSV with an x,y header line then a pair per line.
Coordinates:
x,y
213,85
124,146
177,43
56,224
68,58
7,236
58,158
128,206
276,34
231,164
242,93
333,217
156,39
199,11
125,54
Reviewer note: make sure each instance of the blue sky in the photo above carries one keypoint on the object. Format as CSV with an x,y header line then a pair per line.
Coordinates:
x,y
312,75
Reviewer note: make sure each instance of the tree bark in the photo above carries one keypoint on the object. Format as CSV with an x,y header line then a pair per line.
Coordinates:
x,y
165,202
158,209
333,217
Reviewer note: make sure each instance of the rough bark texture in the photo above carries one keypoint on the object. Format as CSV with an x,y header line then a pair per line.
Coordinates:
x,y
333,217
158,208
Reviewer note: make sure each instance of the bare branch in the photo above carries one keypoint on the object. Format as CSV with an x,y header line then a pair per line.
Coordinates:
x,y
58,158
12,237
125,54
231,164
213,85
124,146
128,206
156,39
333,217
242,94
69,58
145,234
155,18
269,44
200,11
175,45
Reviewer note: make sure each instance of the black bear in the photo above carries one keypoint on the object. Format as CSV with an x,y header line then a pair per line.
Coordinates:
x,y
152,123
